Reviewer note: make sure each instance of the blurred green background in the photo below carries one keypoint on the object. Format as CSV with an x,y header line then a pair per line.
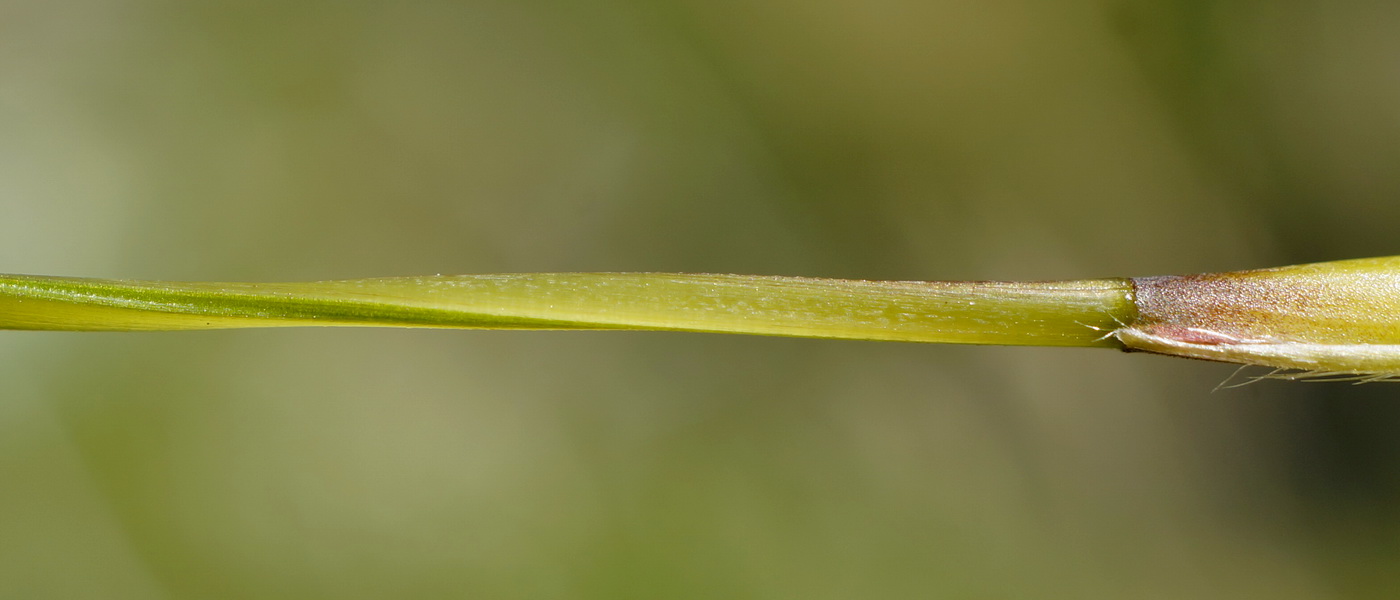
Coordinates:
x,y
901,139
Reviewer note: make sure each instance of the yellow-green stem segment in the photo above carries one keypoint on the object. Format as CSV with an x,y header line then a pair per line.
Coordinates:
x,y
1075,313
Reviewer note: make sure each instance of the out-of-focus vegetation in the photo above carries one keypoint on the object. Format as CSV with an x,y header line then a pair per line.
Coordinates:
x,y
892,139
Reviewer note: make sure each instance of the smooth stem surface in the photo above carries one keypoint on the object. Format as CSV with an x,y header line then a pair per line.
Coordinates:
x,y
1074,313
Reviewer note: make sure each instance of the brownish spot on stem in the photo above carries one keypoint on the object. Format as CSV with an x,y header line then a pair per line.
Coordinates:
x,y
1337,303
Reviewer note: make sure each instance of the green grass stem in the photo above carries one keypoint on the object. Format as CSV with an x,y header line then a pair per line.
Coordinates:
x,y
1325,319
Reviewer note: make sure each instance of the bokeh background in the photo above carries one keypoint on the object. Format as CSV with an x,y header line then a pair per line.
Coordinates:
x,y
902,139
